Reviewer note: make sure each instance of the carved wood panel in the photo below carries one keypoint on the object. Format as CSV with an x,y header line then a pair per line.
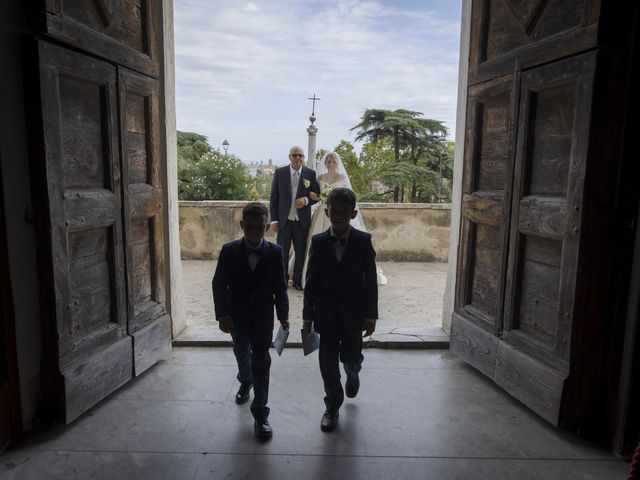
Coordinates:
x,y
122,31
529,32
484,204
549,176
143,217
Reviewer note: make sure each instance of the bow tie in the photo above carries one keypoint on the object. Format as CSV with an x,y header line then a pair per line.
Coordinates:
x,y
341,241
254,251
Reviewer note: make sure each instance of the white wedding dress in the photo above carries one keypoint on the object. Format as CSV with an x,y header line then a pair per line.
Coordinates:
x,y
328,180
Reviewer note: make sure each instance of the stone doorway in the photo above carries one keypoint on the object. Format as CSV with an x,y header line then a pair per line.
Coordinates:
x,y
414,316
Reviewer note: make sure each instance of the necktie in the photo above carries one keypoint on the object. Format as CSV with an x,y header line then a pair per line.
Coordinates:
x,y
295,179
341,241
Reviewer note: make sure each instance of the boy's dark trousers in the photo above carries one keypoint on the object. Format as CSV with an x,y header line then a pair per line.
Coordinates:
x,y
251,349
338,344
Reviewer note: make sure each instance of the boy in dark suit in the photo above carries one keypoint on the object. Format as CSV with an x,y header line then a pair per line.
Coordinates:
x,y
340,300
249,280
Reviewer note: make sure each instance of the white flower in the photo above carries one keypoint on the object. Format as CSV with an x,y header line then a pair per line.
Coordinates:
x,y
325,193
306,183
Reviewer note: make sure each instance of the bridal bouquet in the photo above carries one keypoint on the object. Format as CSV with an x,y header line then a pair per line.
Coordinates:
x,y
324,194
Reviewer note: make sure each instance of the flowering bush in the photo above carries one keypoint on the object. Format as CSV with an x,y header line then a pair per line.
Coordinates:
x,y
215,176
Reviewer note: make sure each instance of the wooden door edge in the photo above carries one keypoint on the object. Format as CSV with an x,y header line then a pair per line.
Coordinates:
x,y
8,313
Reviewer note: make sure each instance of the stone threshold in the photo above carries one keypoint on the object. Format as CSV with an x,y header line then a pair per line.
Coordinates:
x,y
430,337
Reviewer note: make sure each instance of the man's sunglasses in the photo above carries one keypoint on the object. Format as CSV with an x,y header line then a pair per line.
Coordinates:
x,y
297,155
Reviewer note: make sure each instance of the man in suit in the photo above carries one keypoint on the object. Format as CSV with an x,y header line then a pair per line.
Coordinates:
x,y
340,300
249,280
290,208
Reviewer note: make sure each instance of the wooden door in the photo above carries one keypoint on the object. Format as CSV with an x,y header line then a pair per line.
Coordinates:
x,y
5,403
98,185
10,410
531,77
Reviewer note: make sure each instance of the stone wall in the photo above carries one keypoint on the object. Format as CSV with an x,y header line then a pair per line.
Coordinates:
x,y
401,232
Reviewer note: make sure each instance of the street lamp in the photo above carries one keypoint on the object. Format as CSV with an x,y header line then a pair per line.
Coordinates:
x,y
441,154
438,200
225,145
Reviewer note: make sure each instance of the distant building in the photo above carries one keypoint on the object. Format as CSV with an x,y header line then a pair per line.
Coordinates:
x,y
260,168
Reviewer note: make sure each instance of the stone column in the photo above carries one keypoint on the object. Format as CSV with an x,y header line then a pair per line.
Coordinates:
x,y
456,196
173,264
311,151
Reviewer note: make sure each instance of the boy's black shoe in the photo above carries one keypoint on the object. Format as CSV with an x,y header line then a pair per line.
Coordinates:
x,y
329,421
243,393
297,286
262,429
352,385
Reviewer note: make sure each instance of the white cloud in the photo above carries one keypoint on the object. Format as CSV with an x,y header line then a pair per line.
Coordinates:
x,y
251,7
245,73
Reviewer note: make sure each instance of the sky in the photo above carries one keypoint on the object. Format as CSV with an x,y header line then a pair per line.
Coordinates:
x,y
245,70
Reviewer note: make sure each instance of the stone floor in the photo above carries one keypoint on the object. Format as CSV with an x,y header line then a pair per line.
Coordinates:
x,y
410,307
420,414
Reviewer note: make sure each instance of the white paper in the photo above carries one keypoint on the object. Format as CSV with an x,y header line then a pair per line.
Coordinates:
x,y
281,339
310,341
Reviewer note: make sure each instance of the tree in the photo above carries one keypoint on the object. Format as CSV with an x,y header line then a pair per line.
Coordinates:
x,y
319,154
192,146
260,186
445,169
415,140
375,158
405,174
205,173
426,149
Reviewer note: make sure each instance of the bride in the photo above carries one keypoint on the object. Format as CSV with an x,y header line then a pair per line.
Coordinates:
x,y
330,174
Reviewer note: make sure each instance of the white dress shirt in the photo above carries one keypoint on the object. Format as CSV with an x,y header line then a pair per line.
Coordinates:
x,y
253,253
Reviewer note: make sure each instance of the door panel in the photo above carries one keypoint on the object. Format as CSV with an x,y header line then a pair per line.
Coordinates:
x,y
124,31
485,204
149,323
529,32
82,174
534,383
550,165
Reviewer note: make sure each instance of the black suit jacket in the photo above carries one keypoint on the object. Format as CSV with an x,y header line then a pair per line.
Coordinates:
x,y
249,296
341,295
280,200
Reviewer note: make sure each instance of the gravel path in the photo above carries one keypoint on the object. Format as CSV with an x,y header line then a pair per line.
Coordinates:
x,y
411,298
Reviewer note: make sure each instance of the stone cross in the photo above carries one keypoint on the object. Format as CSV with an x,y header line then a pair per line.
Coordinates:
x,y
314,98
